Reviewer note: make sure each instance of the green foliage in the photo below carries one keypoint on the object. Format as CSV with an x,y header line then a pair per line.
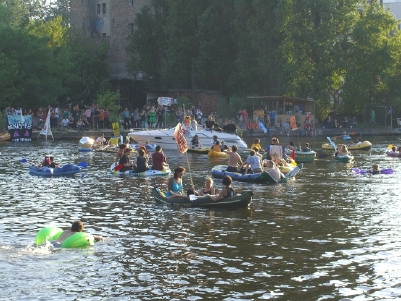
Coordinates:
x,y
183,102
109,100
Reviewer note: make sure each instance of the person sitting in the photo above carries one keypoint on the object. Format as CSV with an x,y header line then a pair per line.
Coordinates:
x,y
230,127
195,142
125,163
256,143
306,148
214,140
253,163
394,149
216,147
76,227
223,146
159,159
275,148
226,192
52,163
375,169
100,141
141,162
343,150
208,189
120,151
291,146
273,170
234,160
46,162
211,124
174,185
359,141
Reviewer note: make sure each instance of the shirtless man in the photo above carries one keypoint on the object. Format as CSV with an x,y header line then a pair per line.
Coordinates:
x,y
272,169
234,160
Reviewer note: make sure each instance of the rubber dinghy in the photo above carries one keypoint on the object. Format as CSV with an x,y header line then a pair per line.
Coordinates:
x,y
358,171
219,171
239,201
63,171
148,173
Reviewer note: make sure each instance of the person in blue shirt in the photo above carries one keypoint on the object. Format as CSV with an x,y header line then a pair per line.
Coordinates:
x,y
174,184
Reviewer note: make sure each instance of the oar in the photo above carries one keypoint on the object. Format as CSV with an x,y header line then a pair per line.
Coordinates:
x,y
332,143
353,133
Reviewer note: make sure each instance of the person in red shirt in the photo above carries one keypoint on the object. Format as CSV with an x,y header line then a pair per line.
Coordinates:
x,y
159,159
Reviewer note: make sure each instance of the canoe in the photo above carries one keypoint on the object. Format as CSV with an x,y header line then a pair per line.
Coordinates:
x,y
344,158
241,200
65,170
201,150
219,171
368,171
148,173
303,157
364,146
4,136
393,154
212,153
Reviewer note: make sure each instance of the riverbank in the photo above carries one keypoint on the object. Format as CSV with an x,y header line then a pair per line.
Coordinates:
x,y
72,134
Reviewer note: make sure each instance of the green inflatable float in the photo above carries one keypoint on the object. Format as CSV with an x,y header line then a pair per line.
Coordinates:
x,y
77,240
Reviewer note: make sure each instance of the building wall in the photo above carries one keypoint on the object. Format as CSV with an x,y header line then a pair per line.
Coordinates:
x,y
395,9
109,19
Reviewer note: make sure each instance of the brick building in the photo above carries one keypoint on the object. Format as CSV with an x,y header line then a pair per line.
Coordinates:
x,y
112,20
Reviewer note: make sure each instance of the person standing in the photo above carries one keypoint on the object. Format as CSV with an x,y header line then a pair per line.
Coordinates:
x,y
234,160
373,117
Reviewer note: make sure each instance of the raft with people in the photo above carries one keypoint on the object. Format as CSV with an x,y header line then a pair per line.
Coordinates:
x,y
46,171
148,173
76,240
362,146
219,171
238,201
213,153
301,156
199,150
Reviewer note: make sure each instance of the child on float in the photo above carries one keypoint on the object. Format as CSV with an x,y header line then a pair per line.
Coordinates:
x,y
226,192
195,142
216,147
375,169
306,148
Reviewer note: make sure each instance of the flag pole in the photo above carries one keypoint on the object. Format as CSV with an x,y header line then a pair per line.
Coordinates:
x,y
189,170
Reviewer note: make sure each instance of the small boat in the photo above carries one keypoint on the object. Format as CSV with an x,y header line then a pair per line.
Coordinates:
x,y
4,136
344,158
199,150
63,171
386,171
363,146
393,154
219,171
213,153
241,200
85,144
148,173
303,157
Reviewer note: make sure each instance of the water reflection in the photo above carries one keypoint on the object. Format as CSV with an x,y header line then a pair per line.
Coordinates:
x,y
329,234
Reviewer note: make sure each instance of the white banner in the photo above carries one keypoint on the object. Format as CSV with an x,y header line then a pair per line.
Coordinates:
x,y
164,101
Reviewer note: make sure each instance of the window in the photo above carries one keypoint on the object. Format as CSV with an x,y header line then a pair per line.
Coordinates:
x,y
98,9
103,8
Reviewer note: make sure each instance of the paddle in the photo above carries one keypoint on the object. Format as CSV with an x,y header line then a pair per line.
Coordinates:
x,y
332,143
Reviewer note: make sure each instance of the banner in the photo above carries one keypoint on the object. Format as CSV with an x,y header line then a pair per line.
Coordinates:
x,y
164,101
116,128
180,139
20,127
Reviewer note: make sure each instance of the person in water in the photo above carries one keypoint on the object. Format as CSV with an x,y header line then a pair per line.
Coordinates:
x,y
375,169
208,189
174,185
226,192
76,226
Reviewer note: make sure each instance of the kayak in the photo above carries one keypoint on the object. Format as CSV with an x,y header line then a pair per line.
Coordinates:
x,y
65,170
240,200
77,240
200,150
303,157
213,153
148,173
363,146
219,171
368,171
344,158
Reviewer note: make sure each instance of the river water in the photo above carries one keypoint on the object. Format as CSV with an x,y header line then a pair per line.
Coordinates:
x,y
327,235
